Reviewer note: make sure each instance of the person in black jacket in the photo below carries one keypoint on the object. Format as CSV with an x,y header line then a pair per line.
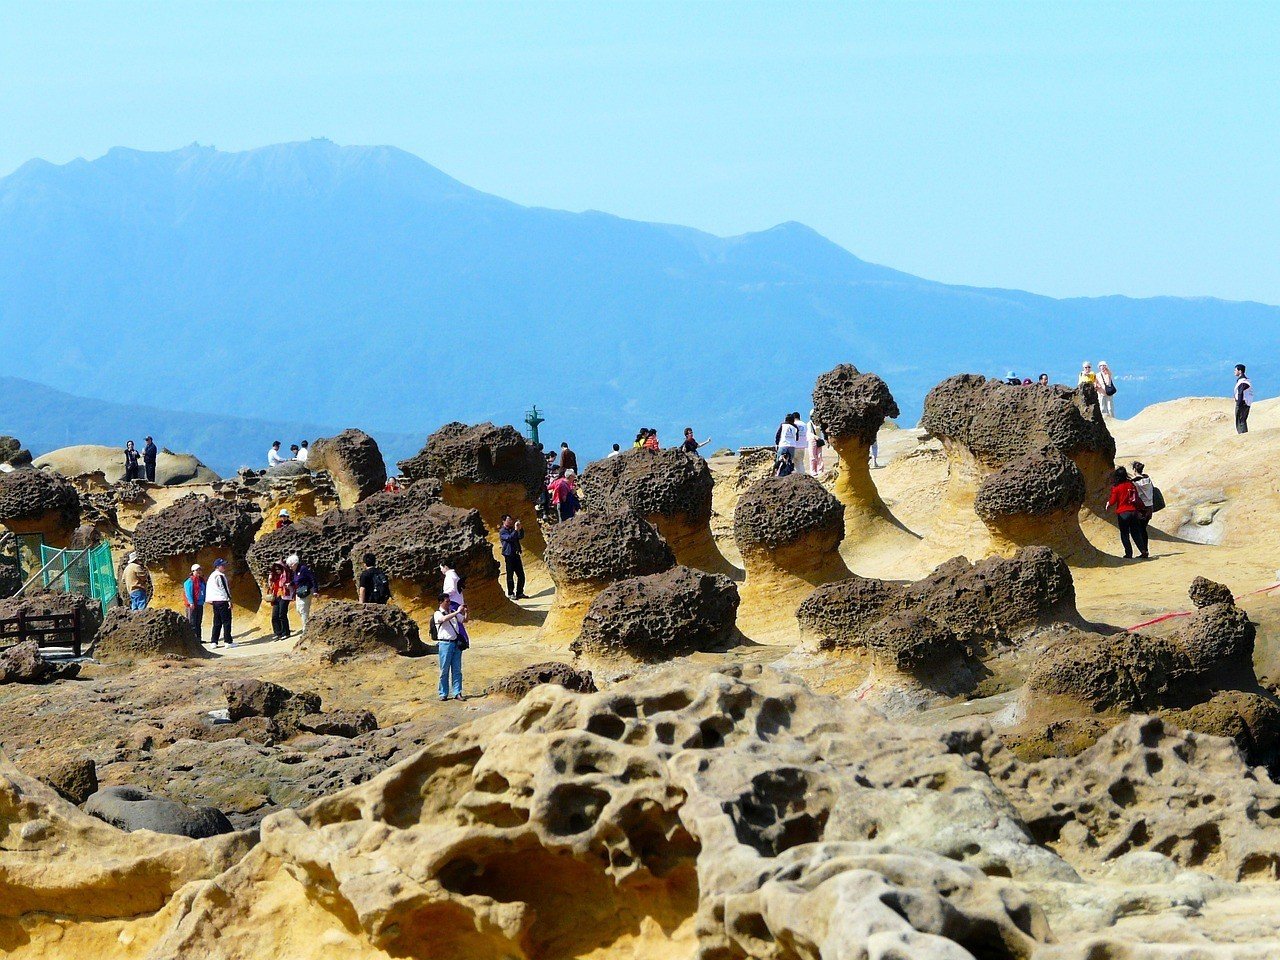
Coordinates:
x,y
149,453
132,459
511,533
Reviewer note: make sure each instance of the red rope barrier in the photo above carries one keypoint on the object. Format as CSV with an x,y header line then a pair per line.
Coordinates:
x,y
1186,613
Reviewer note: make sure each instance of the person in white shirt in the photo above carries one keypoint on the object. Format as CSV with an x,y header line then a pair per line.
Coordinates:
x,y
217,593
273,455
1105,382
786,439
615,451
303,453
802,443
453,585
449,632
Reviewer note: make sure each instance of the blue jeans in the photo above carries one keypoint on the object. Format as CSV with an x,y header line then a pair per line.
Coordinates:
x,y
450,666
137,599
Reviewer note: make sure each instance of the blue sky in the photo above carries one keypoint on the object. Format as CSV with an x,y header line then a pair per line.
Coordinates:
x,y
1071,149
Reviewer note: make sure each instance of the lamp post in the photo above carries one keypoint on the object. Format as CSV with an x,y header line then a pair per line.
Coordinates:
x,y
533,418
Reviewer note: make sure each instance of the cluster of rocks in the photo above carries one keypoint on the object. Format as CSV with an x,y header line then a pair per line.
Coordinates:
x,y
285,713
23,663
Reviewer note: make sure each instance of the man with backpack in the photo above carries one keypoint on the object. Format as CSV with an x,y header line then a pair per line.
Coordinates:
x,y
374,585
1244,399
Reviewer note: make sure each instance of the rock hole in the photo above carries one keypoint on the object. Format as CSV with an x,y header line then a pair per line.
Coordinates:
x,y
607,725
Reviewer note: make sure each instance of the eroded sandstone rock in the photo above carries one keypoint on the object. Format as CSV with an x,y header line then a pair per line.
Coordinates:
x,y
23,663
39,501
353,460
519,683
340,631
144,634
129,809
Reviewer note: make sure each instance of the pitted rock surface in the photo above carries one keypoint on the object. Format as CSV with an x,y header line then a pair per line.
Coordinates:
x,y
29,494
412,547
998,422
777,511
519,683
354,461
849,404
982,605
1205,593
1040,483
668,482
13,452
195,523
658,617
141,634
606,544
289,468
340,631
44,603
484,453
262,698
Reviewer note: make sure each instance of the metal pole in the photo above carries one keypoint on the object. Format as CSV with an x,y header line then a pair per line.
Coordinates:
x,y
61,554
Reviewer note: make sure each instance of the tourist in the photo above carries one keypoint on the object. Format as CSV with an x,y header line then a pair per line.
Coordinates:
x,y
453,587
391,486
817,443
274,459
1013,379
137,583
1127,503
1044,380
1106,384
802,440
280,588
1244,399
303,453
640,438
374,585
551,462
785,439
132,469
284,520
218,594
568,459
564,493
651,440
448,630
690,444
1087,375
511,533
149,454
304,588
193,591
875,455
1146,493
615,451
294,450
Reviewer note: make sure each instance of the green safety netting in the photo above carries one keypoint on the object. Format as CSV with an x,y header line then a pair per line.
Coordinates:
x,y
89,572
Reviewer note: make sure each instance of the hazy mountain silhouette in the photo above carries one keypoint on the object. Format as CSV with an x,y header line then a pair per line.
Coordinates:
x,y
313,283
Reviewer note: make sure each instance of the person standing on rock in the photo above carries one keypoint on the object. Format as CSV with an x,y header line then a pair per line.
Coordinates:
x,y
1043,381
651,440
137,583
280,588
511,533
193,590
132,458
449,632
615,451
1244,399
1087,375
1106,384
691,444
802,441
218,596
817,440
303,453
274,459
568,459
304,588
1127,503
149,454
374,585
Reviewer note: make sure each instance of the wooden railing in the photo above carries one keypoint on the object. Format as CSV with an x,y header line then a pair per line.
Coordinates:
x,y
48,630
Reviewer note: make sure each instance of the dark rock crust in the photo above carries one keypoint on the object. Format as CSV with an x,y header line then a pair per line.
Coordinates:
x,y
852,405
353,459
777,511
195,523
668,483
412,547
341,630
29,494
517,684
1040,483
606,544
137,634
484,453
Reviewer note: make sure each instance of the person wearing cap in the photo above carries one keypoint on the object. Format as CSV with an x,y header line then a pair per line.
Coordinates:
x,y
149,453
137,583
194,591
284,519
218,594
304,587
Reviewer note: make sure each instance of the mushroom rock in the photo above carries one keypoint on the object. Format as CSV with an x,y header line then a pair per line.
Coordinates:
x,y
410,548
199,529
488,468
39,501
145,634
516,685
658,617
343,630
353,460
788,530
943,634
595,548
986,426
1035,499
172,468
851,407
671,489
13,452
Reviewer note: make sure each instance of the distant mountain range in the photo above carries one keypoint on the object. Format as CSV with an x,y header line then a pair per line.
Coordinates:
x,y
46,419
309,283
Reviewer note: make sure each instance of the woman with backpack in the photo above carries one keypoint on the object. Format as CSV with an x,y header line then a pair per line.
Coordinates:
x,y
1131,513
1106,384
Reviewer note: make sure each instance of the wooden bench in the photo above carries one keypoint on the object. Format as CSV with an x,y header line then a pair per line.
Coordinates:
x,y
47,630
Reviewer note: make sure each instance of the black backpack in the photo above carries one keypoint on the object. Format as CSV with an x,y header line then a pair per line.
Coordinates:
x,y
380,587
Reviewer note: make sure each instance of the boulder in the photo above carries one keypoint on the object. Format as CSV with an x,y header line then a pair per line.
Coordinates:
x,y
339,723
519,683
171,468
340,631
74,778
661,616
354,461
132,809
13,452
289,468
144,634
39,501
1205,593
22,663
262,698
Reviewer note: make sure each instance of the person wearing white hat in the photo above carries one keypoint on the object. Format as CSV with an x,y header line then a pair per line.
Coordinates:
x,y
1105,381
137,583
194,599
284,519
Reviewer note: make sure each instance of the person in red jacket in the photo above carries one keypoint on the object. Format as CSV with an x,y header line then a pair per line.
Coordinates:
x,y
1130,513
